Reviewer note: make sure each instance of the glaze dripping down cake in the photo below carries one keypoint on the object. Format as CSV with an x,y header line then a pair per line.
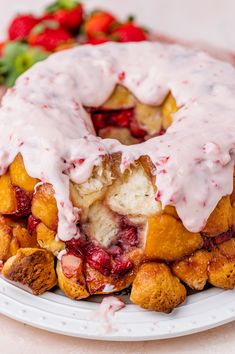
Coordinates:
x,y
117,165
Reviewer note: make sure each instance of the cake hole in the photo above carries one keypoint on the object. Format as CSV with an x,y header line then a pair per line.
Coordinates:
x,y
124,118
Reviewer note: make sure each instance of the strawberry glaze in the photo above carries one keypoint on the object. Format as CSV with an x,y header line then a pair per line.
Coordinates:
x,y
43,118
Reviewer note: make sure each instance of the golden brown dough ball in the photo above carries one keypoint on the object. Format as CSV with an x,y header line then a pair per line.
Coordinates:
x,y
32,267
167,239
193,270
220,219
156,288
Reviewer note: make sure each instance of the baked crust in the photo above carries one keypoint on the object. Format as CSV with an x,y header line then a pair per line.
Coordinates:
x,y
193,269
74,287
156,288
155,245
32,267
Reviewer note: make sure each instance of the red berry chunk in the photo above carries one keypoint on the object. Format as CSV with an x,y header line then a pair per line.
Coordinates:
x,y
121,267
24,200
115,251
98,259
128,237
71,265
121,118
75,246
32,223
99,120
135,129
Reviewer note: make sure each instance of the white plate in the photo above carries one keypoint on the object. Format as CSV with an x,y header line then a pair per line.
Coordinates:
x,y
56,313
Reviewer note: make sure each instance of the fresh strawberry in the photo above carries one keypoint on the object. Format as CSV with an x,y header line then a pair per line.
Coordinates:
x,y
49,37
21,26
70,19
96,41
99,22
129,32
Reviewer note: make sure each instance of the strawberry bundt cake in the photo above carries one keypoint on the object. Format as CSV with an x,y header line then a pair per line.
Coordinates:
x,y
117,170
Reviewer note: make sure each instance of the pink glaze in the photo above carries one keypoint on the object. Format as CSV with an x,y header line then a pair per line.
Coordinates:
x,y
106,311
43,118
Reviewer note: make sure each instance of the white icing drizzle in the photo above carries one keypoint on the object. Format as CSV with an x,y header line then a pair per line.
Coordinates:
x,y
42,118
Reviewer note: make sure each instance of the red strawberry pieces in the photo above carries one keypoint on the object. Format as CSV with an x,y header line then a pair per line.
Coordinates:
x,y
24,200
120,267
129,32
21,26
136,130
32,224
98,259
103,118
71,265
128,237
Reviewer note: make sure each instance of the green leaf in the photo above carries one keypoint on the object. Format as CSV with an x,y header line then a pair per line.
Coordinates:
x,y
53,7
40,28
130,18
61,4
11,78
4,67
9,71
12,49
23,62
67,4
38,55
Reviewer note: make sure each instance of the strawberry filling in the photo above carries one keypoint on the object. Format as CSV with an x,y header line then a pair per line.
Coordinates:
x,y
210,242
111,261
24,200
71,265
102,118
121,267
127,237
121,118
32,223
98,258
